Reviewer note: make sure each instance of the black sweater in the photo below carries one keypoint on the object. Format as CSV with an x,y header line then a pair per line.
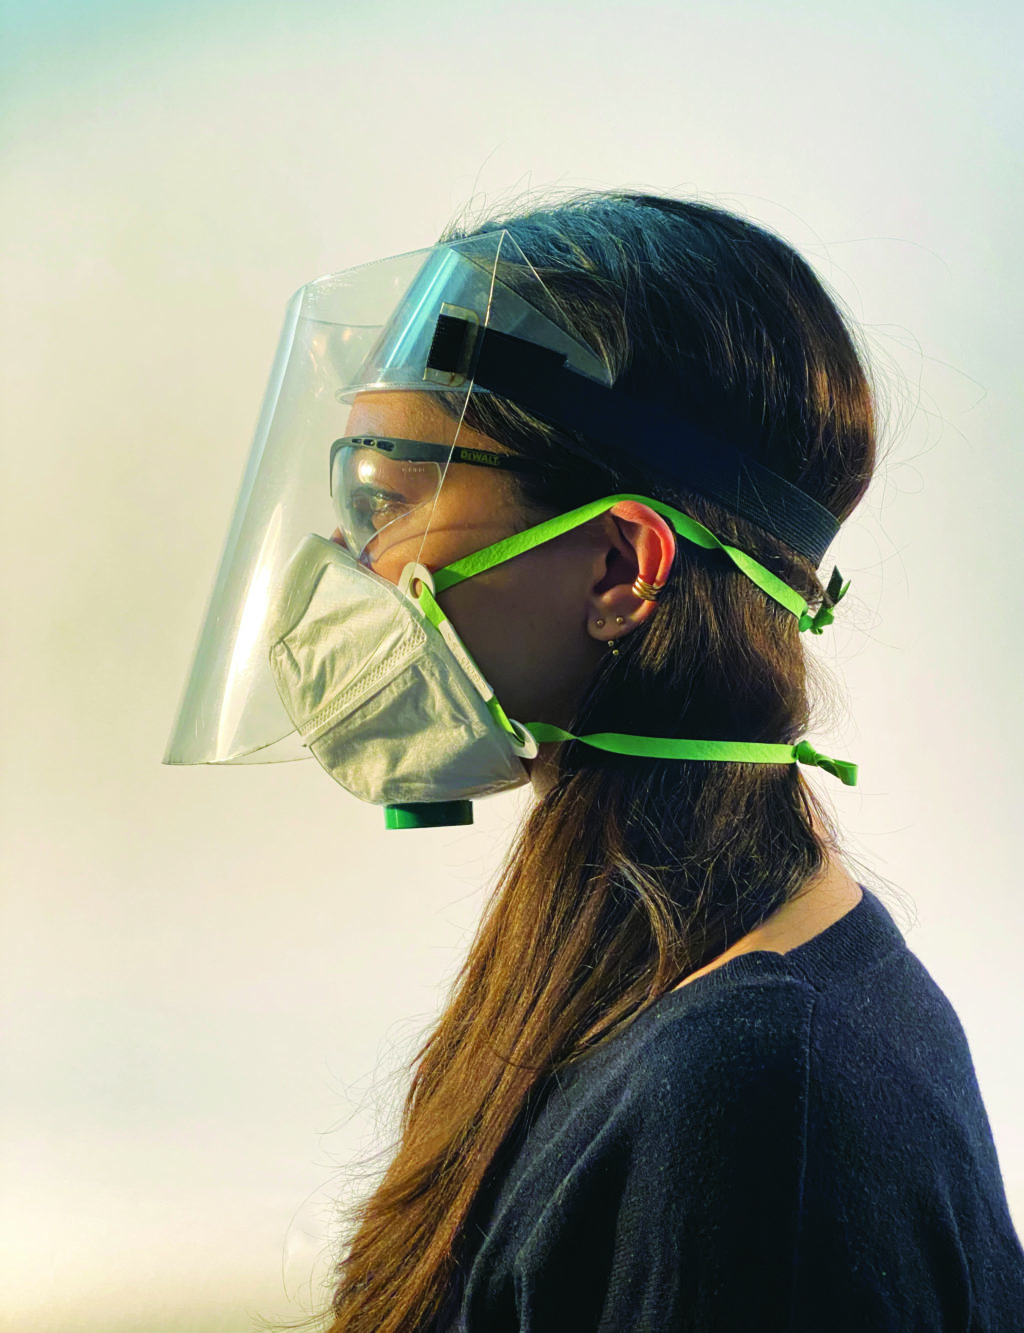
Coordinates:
x,y
791,1142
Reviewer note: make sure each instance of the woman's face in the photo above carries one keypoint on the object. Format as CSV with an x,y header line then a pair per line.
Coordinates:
x,y
530,623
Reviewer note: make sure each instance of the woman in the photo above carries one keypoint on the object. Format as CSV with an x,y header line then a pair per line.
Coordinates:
x,y
690,1076
633,878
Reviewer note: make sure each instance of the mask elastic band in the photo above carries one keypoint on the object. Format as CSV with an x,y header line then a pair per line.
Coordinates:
x,y
737,752
519,737
525,737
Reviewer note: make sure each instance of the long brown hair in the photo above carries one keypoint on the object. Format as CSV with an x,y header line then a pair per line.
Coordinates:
x,y
628,874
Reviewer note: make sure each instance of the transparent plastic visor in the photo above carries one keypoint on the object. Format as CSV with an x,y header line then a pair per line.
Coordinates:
x,y
354,442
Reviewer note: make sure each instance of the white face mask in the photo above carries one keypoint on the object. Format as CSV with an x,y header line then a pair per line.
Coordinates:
x,y
382,690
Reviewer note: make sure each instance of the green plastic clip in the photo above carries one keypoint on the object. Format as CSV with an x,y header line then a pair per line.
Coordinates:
x,y
428,814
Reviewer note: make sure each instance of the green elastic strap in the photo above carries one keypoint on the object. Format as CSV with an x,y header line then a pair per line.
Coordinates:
x,y
649,747
437,618
654,747
685,526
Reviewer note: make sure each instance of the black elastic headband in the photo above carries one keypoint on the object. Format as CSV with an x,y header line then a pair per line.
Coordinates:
x,y
541,381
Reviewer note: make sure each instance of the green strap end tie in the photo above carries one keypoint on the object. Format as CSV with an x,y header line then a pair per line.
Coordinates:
x,y
825,615
656,747
805,753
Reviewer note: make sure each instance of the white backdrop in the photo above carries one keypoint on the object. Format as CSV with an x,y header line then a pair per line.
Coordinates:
x,y
209,974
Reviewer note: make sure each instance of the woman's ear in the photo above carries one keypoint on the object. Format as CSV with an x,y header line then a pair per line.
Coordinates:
x,y
642,547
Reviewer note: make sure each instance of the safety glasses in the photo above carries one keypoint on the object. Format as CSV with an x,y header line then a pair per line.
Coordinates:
x,y
376,482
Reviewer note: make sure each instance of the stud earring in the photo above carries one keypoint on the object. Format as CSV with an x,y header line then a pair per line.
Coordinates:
x,y
620,620
600,624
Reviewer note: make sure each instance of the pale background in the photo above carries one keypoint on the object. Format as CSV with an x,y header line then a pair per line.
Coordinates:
x,y
210,974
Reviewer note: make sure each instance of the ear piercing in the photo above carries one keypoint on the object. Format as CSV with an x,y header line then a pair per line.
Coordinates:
x,y
619,620
648,592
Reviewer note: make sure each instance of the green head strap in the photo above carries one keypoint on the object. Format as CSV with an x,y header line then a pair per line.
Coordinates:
x,y
685,526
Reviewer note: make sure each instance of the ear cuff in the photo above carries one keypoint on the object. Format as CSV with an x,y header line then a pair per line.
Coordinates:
x,y
648,591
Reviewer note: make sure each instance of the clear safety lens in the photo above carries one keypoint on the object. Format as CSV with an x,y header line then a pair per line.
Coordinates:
x,y
383,492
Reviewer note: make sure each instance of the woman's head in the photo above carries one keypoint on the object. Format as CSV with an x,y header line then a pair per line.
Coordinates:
x,y
538,624
629,873
714,319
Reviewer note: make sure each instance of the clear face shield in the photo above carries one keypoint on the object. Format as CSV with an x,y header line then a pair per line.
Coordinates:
x,y
357,433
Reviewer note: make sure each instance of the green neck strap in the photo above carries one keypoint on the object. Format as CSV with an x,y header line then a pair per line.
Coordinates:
x,y
685,527
731,752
